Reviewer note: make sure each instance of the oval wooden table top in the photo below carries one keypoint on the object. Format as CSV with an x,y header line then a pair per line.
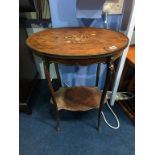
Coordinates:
x,y
77,42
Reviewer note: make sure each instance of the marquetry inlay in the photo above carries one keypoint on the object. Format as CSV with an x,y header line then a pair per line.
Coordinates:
x,y
83,38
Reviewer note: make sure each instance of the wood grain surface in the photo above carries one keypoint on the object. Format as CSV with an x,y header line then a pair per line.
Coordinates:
x,y
78,98
131,54
72,42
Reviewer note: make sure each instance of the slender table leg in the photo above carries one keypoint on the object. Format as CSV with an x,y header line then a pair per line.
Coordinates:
x,y
57,72
98,73
110,69
47,74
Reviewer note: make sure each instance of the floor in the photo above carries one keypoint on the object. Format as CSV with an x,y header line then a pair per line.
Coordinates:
x,y
78,134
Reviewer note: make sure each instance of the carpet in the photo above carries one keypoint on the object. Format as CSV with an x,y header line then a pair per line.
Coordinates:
x,y
78,134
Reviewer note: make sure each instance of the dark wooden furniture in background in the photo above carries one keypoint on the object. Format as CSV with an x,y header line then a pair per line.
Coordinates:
x,y
128,83
26,6
78,46
27,69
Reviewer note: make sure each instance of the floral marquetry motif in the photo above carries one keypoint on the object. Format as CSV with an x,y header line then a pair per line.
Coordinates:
x,y
77,41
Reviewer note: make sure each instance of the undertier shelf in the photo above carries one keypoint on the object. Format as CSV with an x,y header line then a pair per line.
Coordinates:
x,y
78,98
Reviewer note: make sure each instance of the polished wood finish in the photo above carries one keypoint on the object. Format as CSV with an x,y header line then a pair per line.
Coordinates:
x,y
129,84
131,54
47,74
85,98
76,42
78,46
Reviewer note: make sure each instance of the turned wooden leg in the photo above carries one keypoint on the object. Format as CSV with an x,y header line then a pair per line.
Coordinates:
x,y
110,68
47,74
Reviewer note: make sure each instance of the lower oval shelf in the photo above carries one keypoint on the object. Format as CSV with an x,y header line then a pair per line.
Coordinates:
x,y
78,98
